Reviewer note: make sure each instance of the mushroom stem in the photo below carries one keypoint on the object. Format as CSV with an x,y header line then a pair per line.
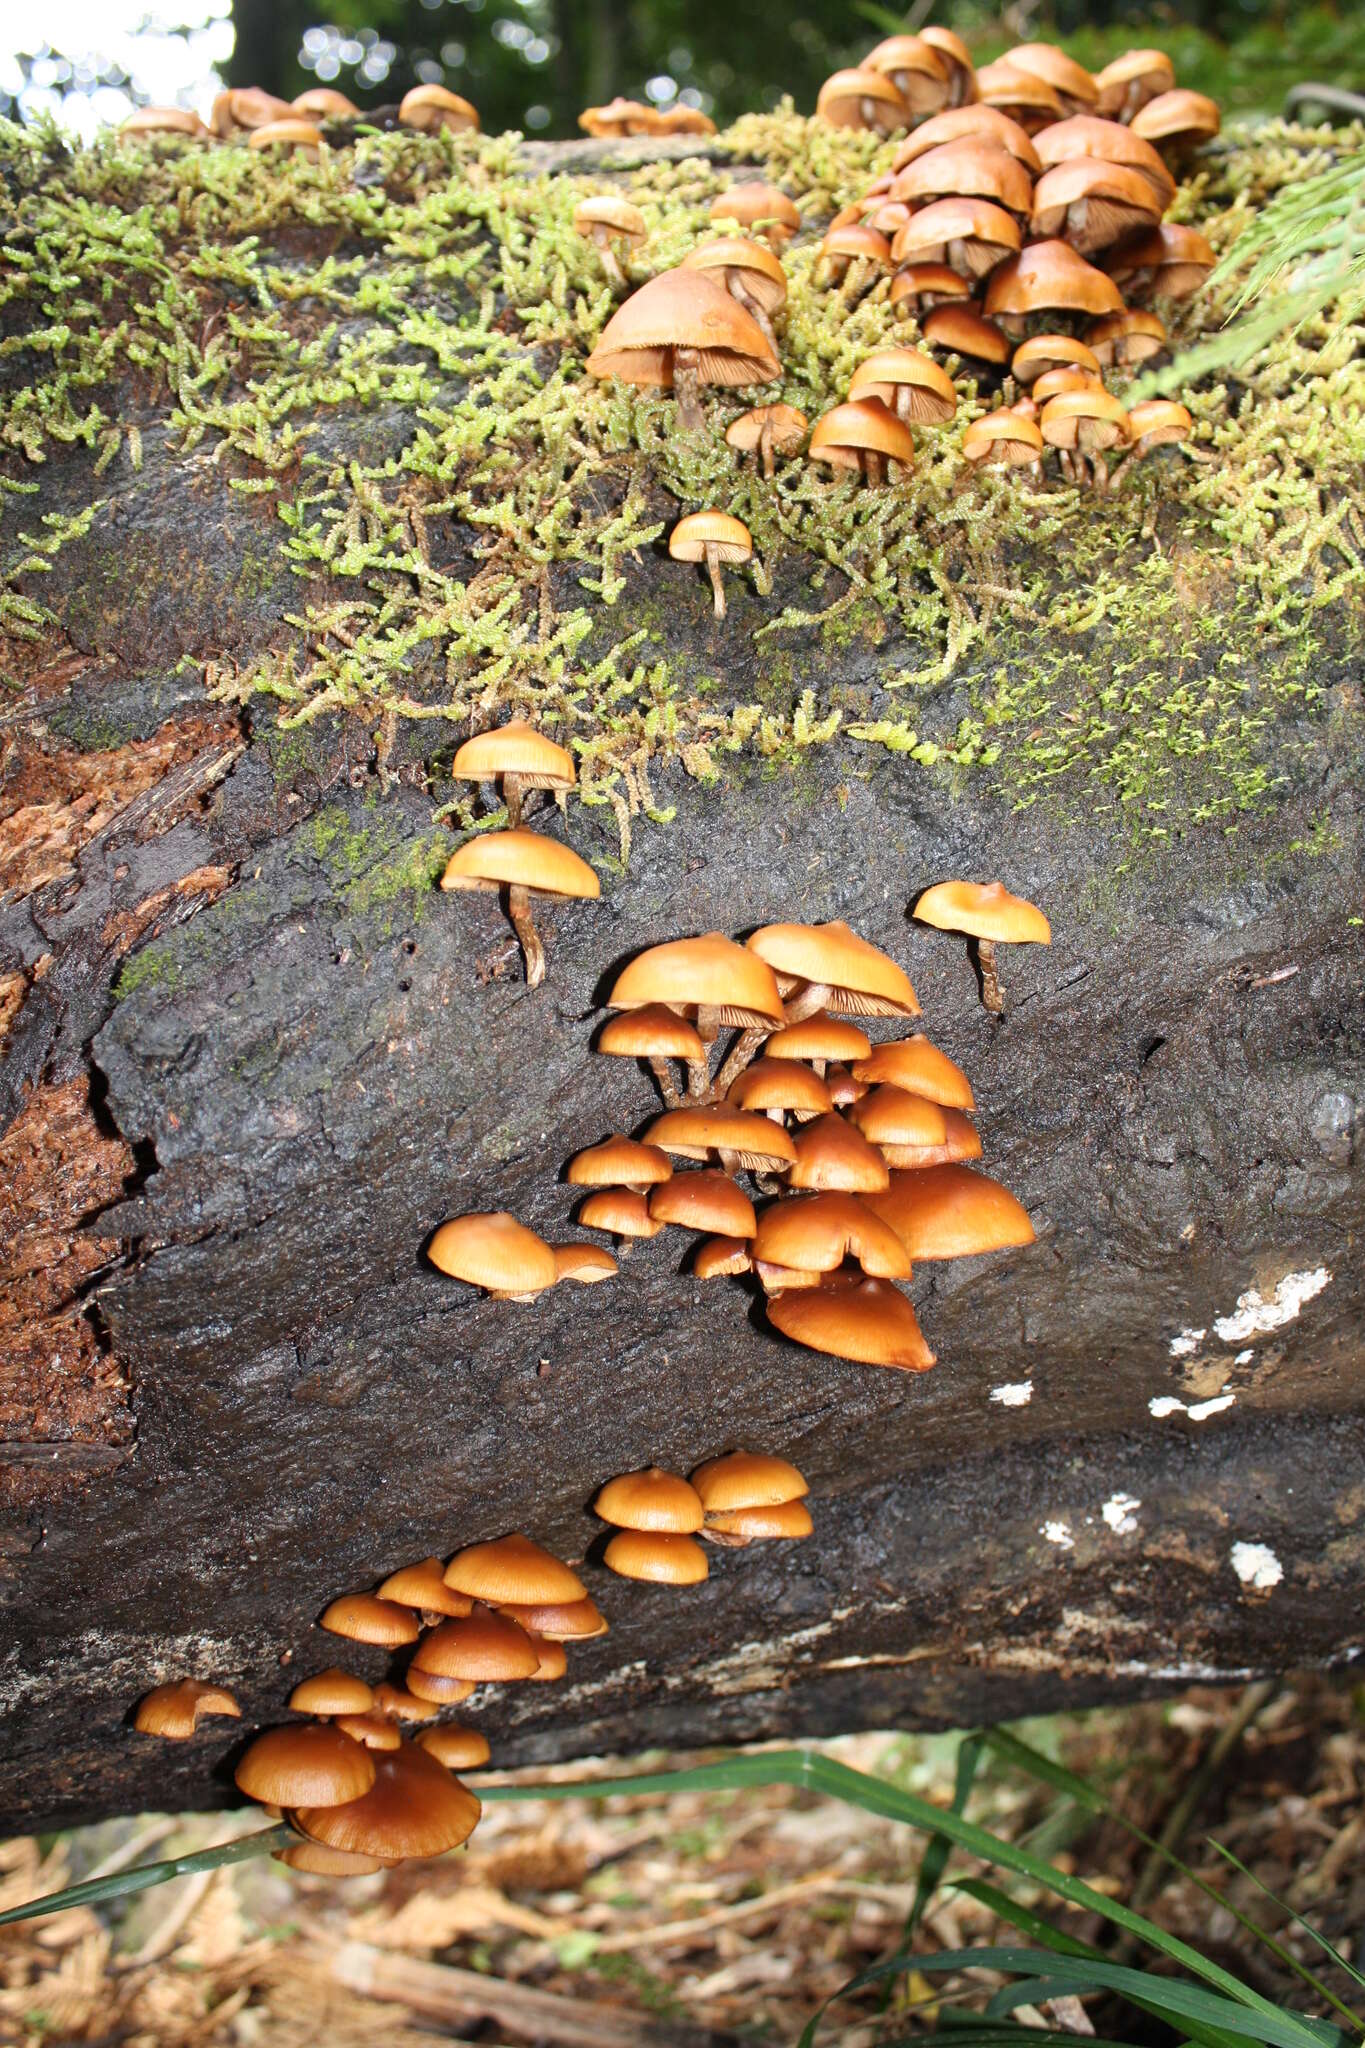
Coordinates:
x,y
765,449
875,466
738,290
738,1058
602,237
730,1161
812,997
698,1080
992,995
511,792
668,1087
523,924
724,1540
687,388
713,570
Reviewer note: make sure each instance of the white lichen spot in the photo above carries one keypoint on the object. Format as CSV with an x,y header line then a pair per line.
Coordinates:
x,y
1244,1357
1060,1534
1255,1315
1187,1343
1257,1566
1016,1394
1202,1410
1120,1512
1162,1405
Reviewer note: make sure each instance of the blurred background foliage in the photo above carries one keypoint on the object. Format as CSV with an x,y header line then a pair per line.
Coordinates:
x,y
534,64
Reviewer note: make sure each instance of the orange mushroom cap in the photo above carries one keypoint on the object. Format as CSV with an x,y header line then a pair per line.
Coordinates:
x,y
413,1808
1178,118
916,1064
527,860
973,167
622,1212
485,1647
966,333
710,973
459,1749
833,1157
861,99
331,1692
951,1212
1071,82
618,1163
870,1322
431,106
780,1084
756,1141
651,1499
816,1233
364,1618
494,1252
1005,437
747,1479
512,1568
764,208
764,278
984,911
174,1711
663,1559
515,749
313,1764
705,1200
1046,352
788,1520
683,309
909,382
1128,81
556,1620
584,1263
720,1258
970,235
1084,135
846,433
1050,277
1092,203
693,537
423,1586
653,1029
818,1037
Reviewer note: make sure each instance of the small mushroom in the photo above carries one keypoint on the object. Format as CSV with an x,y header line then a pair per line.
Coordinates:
x,y
1178,121
437,1691
751,274
1048,277
401,1705
619,1163
432,107
916,1064
1033,359
1122,340
525,864
818,1038
721,1258
1071,82
373,1730
566,1621
606,220
974,167
325,103
414,1808
738,1137
988,913
815,1233
423,1586
683,120
619,117
1005,439
621,1213
288,133
494,1252
517,757
962,331
907,1129
972,236
317,1861
174,1711
681,331
956,60
780,1088
865,436
553,1662
919,74
331,1692
662,1559
761,210
713,537
788,1521
1086,136
1154,423
850,256
244,107
1027,99
487,1648
747,1479
707,1200
1081,425
832,1157
828,966
955,124
862,99
1168,262
710,979
952,1212
365,1618
651,1499
767,430
1092,204
919,287
1066,377
584,1263
657,1034
165,121
912,384
868,1321
459,1749
309,1765
512,1568
1129,81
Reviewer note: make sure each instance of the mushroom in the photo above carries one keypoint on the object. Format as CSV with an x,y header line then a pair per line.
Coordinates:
x,y
710,979
324,103
827,966
917,71
779,1088
401,1705
918,1065
413,1808
437,1691
609,219
619,117
1003,440
1092,204
1122,340
747,1479
912,384
815,1234
738,1136
789,1520
1153,423
657,1034
650,1499
1027,99
973,167
373,1730
517,757
907,1129
618,1163
319,1862
713,537
843,1088
963,1139
1064,378
1071,82
1049,277
484,1647
988,913
1178,121
818,1038
751,274
365,1618
553,1662
767,430
1168,262
174,1711
962,331
1129,81
865,436
832,1157
952,1212
680,331
868,1321
1081,425
511,1568
662,1559
311,1765
956,58
430,107
862,99
922,285
1047,352
681,120
526,864
459,1749
245,107
721,1258
956,124
165,121
331,1692
287,133
584,1263
494,1252
763,210
568,1621
707,1200
1085,136
847,251
620,1212
423,1586
971,236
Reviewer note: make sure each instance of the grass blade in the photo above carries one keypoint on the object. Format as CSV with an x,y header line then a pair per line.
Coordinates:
x,y
97,1889
1342,1962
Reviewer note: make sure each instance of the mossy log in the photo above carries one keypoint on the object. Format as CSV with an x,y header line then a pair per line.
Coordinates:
x,y
301,479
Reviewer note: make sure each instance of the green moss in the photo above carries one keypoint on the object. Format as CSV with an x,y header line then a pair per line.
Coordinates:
x,y
384,350
380,874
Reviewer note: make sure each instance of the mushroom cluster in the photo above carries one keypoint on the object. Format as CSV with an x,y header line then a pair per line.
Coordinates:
x,y
249,114
633,117
736,1500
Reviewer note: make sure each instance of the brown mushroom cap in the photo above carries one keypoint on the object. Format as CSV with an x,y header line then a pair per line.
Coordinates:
x,y
618,1163
567,1621
527,860
553,1662
287,133
973,167
374,1730
898,1121
705,1200
747,1479
1046,352
665,1560
1157,420
963,1139
621,1212
652,1030
857,242
783,1085
787,1520
1088,419
1025,97
1005,438
515,749
970,235
784,425
816,1233
1085,135
401,1705
364,1618
459,1749
756,1141
430,107
919,1066
512,1568
610,211
711,973
245,107
174,1711
843,1087
761,207
966,332
921,285
927,393
683,309
1092,203
324,103
584,1263
423,1586
164,121
651,1499
495,1252
485,1647
620,117
1050,277
915,68
870,1322
318,1861
692,536
1178,118
832,1157
1127,82
331,1692
986,124
764,278
985,910
862,426
438,1691
1167,262
721,1258
861,99
819,1037
1071,82
1064,379
312,1764
951,1212
413,1808
957,58
682,120
1128,337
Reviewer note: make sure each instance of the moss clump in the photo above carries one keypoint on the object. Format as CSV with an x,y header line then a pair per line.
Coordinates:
x,y
383,351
